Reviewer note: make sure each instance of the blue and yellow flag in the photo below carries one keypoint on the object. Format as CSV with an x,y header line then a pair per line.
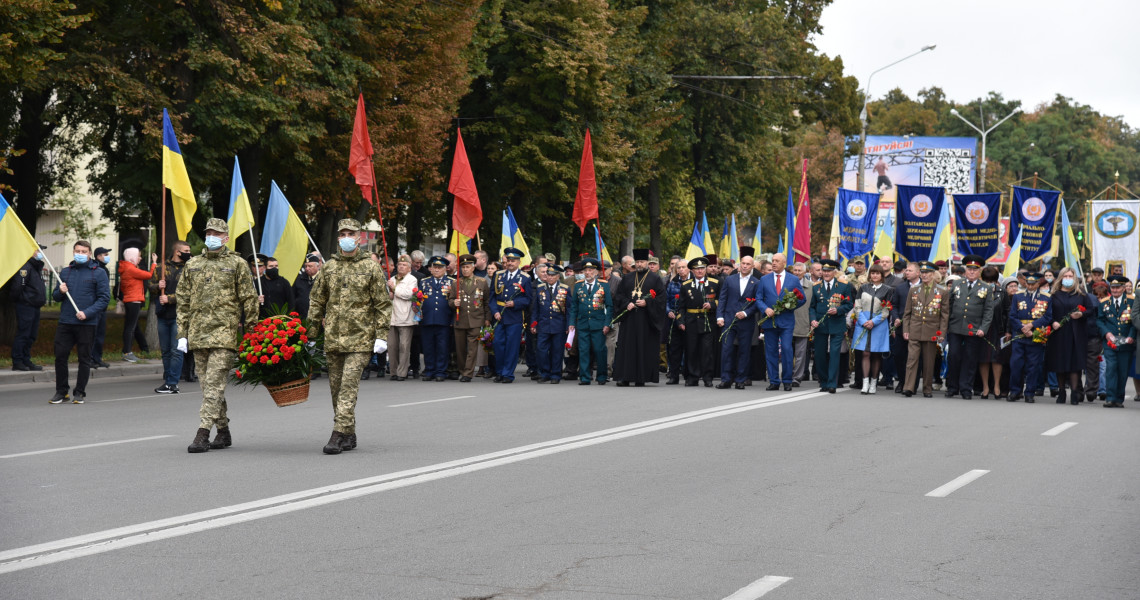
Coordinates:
x,y
725,241
1013,263
1070,252
706,238
733,244
756,239
283,237
789,226
240,219
603,254
780,244
16,244
175,178
512,236
460,244
696,243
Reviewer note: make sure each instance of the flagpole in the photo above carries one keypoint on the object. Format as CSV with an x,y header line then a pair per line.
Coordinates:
x,y
315,246
164,232
380,219
68,294
256,265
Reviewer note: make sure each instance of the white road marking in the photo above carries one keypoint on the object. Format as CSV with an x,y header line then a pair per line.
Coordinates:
x,y
145,439
960,482
1058,429
144,397
759,587
123,537
428,401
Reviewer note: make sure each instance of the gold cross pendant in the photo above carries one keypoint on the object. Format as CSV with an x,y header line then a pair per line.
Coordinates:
x,y
637,294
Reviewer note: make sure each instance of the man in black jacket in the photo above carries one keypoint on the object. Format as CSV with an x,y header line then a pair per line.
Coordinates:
x,y
102,259
28,294
276,293
304,284
164,287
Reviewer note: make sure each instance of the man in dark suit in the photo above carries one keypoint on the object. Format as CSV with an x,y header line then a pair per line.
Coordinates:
x,y
736,310
778,326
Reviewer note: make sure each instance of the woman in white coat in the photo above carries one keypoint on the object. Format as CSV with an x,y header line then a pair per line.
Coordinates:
x,y
403,287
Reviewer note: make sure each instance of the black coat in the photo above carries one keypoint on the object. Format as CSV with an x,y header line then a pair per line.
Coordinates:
x,y
278,293
301,289
27,285
1067,348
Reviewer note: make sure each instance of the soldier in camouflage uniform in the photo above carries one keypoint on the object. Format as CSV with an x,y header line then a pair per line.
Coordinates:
x,y
350,302
214,295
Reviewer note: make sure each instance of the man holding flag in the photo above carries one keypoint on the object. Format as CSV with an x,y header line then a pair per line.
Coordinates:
x,y
89,292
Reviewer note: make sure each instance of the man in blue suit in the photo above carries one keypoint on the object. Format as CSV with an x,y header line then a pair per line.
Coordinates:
x,y
511,294
549,322
778,326
736,310
435,327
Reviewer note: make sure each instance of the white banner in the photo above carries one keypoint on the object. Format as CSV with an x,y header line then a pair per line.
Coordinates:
x,y
1113,235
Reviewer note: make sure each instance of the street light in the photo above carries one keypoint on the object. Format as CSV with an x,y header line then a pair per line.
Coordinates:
x,y
863,113
982,185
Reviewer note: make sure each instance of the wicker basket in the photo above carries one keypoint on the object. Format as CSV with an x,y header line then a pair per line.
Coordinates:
x,y
288,394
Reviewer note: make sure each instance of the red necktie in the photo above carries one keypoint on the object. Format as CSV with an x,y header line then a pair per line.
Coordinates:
x,y
778,287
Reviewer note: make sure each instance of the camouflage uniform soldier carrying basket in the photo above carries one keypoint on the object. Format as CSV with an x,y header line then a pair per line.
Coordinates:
x,y
279,355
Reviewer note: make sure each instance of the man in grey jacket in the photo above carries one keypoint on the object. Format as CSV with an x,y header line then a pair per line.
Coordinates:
x,y
803,327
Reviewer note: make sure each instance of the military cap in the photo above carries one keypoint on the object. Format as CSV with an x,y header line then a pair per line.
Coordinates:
x,y
726,262
348,224
312,258
829,265
1097,270
747,251
512,253
941,263
1033,277
260,258
973,260
218,225
576,266
590,263
699,262
438,261
653,260
467,259
859,261
926,265
553,268
1112,280
550,256
641,254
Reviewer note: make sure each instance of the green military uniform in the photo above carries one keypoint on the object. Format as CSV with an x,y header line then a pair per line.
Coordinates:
x,y
590,313
971,306
350,303
924,322
829,328
214,296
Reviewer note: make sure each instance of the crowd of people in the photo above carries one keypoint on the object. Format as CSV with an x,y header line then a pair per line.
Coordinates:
x,y
960,329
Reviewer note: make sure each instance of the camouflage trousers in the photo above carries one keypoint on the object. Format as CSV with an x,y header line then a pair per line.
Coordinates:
x,y
214,364
345,369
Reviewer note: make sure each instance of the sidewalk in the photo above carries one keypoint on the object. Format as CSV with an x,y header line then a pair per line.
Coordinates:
x,y
117,369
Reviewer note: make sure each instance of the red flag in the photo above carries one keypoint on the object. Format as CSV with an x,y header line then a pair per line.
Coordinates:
x,y
467,213
586,203
360,155
802,244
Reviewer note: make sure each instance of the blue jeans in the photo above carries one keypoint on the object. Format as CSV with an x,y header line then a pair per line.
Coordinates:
x,y
171,357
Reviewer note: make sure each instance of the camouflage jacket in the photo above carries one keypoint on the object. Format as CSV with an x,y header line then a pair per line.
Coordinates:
x,y
215,294
350,295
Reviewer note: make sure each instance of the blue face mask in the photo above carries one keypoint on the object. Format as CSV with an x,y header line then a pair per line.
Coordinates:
x,y
1068,282
40,256
81,259
213,242
347,244
107,259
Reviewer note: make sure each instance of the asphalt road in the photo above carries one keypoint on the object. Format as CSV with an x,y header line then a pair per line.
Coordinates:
x,y
473,491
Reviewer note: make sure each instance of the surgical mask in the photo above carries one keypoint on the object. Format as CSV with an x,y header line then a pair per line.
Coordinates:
x,y
1068,282
1049,278
184,256
107,259
579,276
271,273
40,256
213,242
347,244
81,259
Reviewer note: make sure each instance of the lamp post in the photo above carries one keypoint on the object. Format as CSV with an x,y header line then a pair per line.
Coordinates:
x,y
982,184
863,113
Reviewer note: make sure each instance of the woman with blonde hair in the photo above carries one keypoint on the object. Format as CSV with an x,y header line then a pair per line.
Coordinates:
x,y
873,306
1067,348
402,286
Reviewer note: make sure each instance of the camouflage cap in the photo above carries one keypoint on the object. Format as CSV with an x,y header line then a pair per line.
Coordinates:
x,y
349,224
216,224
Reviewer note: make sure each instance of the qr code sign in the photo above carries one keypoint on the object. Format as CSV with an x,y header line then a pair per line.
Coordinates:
x,y
948,168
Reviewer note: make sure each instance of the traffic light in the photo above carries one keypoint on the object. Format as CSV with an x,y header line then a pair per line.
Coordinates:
x,y
1080,236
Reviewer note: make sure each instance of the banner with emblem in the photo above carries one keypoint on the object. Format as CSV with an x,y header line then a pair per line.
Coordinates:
x,y
917,211
1034,216
1113,235
977,218
857,212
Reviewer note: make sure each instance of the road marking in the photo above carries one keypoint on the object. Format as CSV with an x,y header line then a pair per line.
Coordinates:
x,y
145,439
132,535
1058,429
428,401
960,482
759,587
144,397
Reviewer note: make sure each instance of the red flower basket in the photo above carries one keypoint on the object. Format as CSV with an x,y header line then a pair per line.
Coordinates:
x,y
278,354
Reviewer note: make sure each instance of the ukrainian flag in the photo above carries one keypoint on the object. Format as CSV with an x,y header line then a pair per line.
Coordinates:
x,y
1013,263
734,245
240,218
942,248
725,241
603,254
696,244
16,244
176,179
1071,252
756,237
283,236
706,238
460,244
789,229
512,236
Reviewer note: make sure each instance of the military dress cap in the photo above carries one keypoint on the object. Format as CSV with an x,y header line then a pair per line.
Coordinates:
x,y
218,225
1033,277
747,251
590,263
512,253
438,261
555,268
97,252
699,262
641,254
926,265
260,257
973,260
1112,280
941,263
312,258
348,224
829,265
467,259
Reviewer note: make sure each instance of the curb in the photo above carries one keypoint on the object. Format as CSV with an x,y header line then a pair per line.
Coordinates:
x,y
48,374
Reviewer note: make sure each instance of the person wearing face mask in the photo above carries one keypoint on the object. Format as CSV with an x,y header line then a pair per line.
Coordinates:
x,y
89,292
131,279
1067,348
215,293
277,294
28,294
102,259
164,287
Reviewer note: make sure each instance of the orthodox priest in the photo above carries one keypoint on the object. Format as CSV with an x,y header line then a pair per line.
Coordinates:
x,y
641,296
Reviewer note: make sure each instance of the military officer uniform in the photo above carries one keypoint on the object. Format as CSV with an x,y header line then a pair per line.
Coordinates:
x,y
214,296
1034,308
514,287
590,315
700,324
437,317
829,328
1118,317
924,323
971,315
469,296
674,337
350,297
549,323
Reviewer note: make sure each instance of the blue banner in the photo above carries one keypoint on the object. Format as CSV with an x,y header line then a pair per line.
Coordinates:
x,y
857,214
1034,215
976,217
916,222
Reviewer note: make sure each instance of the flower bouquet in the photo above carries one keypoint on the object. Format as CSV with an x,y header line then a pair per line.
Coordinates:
x,y
487,338
418,304
786,302
833,302
279,355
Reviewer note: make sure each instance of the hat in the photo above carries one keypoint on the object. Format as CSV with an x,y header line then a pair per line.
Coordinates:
x,y
1033,277
550,256
900,264
349,224
941,263
859,261
747,251
973,260
653,260
97,252
260,257
927,266
575,266
589,263
312,258
1113,280
699,262
552,268
1095,270
467,259
641,254
829,265
438,261
711,258
218,225
726,262
512,253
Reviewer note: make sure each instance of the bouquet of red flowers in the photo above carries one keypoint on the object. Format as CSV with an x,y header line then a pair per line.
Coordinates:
x,y
278,353
786,302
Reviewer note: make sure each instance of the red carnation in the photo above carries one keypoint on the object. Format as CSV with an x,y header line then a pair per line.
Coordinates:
x,y
652,293
1081,308
969,326
934,338
938,332
252,358
294,314
276,359
304,339
534,323
264,360
676,296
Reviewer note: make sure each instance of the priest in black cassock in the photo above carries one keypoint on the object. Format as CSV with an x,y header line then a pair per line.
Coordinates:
x,y
641,294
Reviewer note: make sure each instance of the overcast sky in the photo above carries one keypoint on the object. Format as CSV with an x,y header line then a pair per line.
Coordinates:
x,y
1088,50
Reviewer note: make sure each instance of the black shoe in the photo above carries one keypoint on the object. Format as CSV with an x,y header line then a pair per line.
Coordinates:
x,y
772,387
453,376
747,383
927,395
1101,396
639,384
222,439
1109,405
908,394
192,378
440,379
724,385
795,384
401,379
708,383
690,383
1063,397
984,396
831,390
672,381
201,442
20,367
427,378
498,379
1054,392
603,382
505,380
583,383
107,365
77,397
366,375
1013,398
553,381
348,441
623,384
899,388
463,379
166,389
1029,400
787,387
739,386
33,367
541,380
335,445
58,398
951,393
967,395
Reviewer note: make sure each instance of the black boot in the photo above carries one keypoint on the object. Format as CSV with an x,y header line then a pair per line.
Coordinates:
x,y
201,441
335,444
222,439
348,442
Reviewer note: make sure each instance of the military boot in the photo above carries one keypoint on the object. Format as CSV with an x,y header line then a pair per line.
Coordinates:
x,y
201,441
336,443
222,439
348,441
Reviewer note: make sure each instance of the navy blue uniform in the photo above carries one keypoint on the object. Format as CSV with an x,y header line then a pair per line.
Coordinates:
x,y
509,287
1035,309
549,322
435,325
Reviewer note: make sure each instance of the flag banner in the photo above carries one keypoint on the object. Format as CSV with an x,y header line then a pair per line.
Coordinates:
x,y
725,241
1013,263
16,244
919,209
240,217
603,254
734,244
789,229
802,244
1033,217
176,179
976,218
586,201
283,236
857,213
696,243
512,235
360,152
756,237
709,247
467,213
1069,250
1113,235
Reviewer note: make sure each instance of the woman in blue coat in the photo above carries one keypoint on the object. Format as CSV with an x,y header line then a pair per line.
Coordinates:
x,y
872,325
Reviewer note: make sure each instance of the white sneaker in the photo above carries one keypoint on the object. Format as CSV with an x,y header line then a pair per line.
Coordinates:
x,y
874,386
866,385
130,357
